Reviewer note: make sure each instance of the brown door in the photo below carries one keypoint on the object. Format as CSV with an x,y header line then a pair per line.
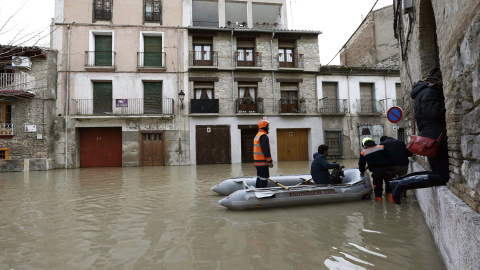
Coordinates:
x,y
292,144
203,55
213,145
153,149
286,57
101,147
247,144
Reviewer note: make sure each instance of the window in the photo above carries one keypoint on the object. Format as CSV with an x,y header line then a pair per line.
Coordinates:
x,y
204,90
3,153
153,11
102,10
6,126
103,50
286,57
367,92
102,97
245,52
203,54
333,139
152,97
247,102
289,97
152,50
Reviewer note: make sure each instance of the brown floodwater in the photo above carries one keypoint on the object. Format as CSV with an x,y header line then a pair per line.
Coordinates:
x,y
168,218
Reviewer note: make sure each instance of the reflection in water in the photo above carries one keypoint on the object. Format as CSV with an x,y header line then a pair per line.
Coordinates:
x,y
167,218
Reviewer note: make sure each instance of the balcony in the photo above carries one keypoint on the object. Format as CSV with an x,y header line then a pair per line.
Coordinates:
x,y
129,106
370,107
151,61
100,60
290,60
102,14
267,26
248,60
332,106
293,106
248,105
203,59
17,85
204,106
6,129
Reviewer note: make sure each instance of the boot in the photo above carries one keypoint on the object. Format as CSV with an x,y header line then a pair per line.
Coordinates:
x,y
411,182
378,199
390,198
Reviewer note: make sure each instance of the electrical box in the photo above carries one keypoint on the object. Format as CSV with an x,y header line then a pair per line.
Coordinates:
x,y
21,62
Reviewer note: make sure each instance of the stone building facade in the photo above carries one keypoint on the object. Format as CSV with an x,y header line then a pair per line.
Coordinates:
x,y
373,44
446,34
27,102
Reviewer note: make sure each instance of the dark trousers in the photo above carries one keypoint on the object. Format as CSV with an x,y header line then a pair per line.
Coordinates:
x,y
439,163
262,174
380,175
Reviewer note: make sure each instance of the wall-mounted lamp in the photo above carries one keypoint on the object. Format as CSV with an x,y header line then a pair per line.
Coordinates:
x,y
181,96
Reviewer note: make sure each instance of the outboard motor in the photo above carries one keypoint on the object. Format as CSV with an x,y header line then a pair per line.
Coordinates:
x,y
337,175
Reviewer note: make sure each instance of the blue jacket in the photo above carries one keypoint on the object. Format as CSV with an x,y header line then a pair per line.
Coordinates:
x,y
397,151
319,169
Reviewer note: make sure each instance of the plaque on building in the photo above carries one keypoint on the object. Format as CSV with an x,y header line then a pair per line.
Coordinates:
x,y
121,102
30,128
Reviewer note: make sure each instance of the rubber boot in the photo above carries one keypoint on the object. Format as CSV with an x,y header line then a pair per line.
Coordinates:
x,y
379,199
390,198
414,182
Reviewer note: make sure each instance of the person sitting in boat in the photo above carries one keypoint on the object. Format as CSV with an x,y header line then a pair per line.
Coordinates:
x,y
320,166
379,164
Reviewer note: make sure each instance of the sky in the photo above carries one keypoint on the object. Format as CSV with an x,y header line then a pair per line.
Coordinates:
x,y
337,19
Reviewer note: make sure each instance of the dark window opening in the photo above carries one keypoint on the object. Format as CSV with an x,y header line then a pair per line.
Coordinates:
x,y
153,11
102,10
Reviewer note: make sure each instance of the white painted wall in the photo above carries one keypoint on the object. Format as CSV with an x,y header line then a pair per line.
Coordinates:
x,y
314,124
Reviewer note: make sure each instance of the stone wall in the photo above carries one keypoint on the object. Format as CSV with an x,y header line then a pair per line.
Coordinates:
x,y
360,49
38,111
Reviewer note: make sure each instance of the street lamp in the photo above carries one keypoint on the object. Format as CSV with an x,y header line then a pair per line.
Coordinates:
x,y
181,96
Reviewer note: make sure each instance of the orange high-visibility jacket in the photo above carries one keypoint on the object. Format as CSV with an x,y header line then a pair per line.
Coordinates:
x,y
258,156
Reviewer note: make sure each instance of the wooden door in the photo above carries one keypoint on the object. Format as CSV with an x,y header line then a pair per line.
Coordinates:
x,y
153,149
101,147
292,144
247,144
203,55
213,145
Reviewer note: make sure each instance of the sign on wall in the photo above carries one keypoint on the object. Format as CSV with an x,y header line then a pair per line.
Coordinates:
x,y
30,128
121,102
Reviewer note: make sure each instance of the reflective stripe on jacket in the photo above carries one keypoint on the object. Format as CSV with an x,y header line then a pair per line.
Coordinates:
x,y
258,155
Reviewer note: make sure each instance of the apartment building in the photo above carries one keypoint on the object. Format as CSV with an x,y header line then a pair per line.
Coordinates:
x,y
27,103
120,75
244,64
353,102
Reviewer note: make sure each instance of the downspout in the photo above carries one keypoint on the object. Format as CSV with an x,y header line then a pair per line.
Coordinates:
x,y
233,73
179,105
273,72
67,96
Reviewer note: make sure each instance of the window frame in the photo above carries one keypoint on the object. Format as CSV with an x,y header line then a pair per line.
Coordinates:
x,y
91,44
144,34
160,12
5,152
94,11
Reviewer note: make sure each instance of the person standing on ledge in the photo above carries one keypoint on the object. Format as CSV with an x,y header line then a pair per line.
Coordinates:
x,y
261,154
429,110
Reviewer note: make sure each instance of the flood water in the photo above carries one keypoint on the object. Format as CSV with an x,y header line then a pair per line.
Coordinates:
x,y
168,218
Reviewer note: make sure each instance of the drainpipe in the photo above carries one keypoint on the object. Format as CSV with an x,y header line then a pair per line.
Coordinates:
x,y
233,72
179,105
67,96
273,72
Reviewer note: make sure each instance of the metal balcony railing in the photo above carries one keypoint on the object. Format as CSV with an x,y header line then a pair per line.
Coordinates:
x,y
398,102
247,59
332,106
204,106
153,16
370,106
101,14
99,58
247,105
6,129
292,106
290,60
151,59
205,23
203,58
16,81
267,26
128,106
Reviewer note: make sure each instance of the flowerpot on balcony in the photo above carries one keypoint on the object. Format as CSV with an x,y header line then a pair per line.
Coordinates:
x,y
244,24
229,23
276,24
257,53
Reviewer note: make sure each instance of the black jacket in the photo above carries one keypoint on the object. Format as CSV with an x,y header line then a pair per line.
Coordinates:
x,y
319,169
376,157
429,107
397,151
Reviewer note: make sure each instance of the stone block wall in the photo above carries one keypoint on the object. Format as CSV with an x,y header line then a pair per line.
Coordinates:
x,y
457,25
360,49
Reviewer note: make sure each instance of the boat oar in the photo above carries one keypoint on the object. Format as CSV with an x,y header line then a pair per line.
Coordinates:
x,y
304,182
278,184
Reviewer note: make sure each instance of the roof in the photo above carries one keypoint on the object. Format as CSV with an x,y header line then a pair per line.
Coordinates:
x,y
7,51
273,30
17,93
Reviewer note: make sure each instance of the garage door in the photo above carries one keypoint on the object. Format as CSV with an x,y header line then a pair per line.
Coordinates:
x,y
213,145
292,144
101,147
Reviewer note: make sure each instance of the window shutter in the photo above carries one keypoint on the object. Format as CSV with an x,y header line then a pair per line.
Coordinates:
x,y
103,50
152,97
329,90
152,51
102,97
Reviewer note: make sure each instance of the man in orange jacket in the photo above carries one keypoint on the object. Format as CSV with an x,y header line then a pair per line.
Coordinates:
x,y
261,154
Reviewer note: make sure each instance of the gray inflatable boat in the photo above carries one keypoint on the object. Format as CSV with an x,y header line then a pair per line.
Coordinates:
x,y
352,188
237,183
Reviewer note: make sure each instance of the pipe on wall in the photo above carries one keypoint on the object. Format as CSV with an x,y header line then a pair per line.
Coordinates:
x,y
67,96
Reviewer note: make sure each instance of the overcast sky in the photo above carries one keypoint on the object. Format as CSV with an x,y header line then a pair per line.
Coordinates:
x,y
337,19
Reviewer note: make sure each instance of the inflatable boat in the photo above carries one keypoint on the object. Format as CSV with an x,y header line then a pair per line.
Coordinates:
x,y
354,187
237,183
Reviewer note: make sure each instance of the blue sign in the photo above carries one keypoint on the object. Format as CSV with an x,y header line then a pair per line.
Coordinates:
x,y
394,114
